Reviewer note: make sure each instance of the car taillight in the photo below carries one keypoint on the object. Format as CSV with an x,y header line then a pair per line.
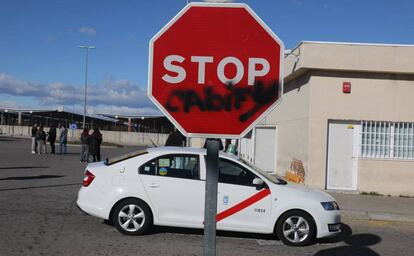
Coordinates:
x,y
88,178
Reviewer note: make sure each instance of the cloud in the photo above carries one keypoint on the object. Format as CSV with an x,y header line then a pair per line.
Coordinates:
x,y
11,104
12,86
88,31
50,38
122,110
103,109
121,95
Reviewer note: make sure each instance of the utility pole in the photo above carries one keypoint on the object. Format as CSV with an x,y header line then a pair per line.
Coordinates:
x,y
87,48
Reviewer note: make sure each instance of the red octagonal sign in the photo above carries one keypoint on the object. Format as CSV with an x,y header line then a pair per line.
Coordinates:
x,y
215,70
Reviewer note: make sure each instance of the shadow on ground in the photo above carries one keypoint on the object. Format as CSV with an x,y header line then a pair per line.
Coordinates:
x,y
175,230
41,187
24,167
68,154
355,245
34,177
8,139
193,231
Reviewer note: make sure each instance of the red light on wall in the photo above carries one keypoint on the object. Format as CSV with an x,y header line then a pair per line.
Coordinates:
x,y
346,87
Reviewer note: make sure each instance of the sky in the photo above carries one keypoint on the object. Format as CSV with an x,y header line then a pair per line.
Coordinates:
x,y
41,65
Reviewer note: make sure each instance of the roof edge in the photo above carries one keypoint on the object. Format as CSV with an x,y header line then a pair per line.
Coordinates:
x,y
354,43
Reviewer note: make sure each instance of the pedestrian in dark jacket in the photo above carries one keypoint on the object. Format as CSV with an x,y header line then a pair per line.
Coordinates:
x,y
218,140
175,139
34,141
85,141
41,140
51,137
95,145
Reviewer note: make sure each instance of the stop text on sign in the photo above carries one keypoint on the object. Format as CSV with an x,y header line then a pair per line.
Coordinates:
x,y
256,67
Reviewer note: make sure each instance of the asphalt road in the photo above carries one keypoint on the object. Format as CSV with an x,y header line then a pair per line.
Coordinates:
x,y
38,216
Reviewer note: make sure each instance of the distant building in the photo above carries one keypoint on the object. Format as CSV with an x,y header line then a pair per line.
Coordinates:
x,y
110,122
47,117
347,114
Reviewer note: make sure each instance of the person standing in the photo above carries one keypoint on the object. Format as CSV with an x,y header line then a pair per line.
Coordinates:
x,y
63,139
175,139
85,141
41,140
211,139
34,141
52,138
95,145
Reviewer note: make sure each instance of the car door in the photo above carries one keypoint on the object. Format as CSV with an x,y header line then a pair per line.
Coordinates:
x,y
240,205
173,185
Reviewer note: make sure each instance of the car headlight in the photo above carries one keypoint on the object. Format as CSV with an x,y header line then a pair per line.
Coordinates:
x,y
330,206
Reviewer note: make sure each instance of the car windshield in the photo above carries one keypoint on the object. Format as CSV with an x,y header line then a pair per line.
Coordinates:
x,y
271,177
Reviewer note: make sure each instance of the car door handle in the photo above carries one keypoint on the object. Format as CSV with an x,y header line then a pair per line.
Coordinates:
x,y
154,185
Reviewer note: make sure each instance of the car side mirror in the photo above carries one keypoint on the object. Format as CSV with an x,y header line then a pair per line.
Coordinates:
x,y
258,183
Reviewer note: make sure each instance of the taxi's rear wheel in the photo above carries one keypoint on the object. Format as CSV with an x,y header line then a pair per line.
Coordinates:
x,y
132,217
296,228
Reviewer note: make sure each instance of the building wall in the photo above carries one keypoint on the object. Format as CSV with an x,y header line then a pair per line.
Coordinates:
x,y
395,59
389,177
291,117
382,78
377,97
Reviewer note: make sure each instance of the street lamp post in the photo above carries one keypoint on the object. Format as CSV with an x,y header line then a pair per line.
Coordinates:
x,y
87,48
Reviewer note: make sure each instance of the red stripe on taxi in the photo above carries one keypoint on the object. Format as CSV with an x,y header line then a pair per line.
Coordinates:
x,y
243,204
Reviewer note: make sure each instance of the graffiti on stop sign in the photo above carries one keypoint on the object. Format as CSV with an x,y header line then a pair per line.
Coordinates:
x,y
209,98
184,100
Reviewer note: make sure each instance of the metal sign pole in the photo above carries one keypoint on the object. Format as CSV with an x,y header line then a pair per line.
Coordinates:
x,y
210,210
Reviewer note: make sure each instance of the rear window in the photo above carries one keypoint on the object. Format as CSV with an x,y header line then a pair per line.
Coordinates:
x,y
116,159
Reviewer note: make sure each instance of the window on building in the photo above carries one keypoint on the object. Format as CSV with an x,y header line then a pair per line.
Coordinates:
x,y
392,140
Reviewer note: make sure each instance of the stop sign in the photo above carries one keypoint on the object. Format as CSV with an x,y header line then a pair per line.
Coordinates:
x,y
215,70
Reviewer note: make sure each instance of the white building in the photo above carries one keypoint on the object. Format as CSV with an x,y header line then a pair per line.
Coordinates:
x,y
358,141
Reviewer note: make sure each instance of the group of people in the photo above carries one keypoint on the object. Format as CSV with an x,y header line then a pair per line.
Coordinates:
x,y
176,138
90,145
40,137
228,146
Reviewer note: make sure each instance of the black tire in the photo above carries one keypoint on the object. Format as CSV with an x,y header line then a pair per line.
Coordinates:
x,y
136,213
290,233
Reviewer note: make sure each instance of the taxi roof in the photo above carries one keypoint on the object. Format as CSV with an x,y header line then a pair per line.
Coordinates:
x,y
187,150
165,150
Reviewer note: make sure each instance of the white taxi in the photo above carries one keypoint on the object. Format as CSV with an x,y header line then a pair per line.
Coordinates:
x,y
166,186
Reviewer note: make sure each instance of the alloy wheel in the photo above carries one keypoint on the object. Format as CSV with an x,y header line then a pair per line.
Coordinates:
x,y
296,229
131,217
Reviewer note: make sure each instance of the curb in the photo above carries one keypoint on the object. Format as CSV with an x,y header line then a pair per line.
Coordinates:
x,y
366,215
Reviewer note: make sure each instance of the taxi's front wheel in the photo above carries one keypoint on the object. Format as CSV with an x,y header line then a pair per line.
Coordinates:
x,y
296,228
132,217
